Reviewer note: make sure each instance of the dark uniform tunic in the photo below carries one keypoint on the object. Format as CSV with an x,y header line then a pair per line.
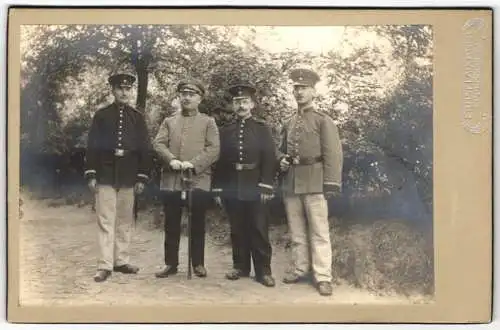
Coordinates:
x,y
118,148
246,168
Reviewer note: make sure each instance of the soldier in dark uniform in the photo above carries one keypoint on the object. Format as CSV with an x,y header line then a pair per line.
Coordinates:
x,y
244,181
117,166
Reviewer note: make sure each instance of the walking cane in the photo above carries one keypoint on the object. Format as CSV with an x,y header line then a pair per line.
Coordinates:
x,y
187,193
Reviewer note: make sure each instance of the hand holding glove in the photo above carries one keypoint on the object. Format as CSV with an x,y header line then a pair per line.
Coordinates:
x,y
139,188
331,191
175,164
187,165
284,164
93,185
265,197
218,201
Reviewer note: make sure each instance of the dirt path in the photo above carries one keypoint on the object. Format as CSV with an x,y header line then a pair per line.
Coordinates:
x,y
58,252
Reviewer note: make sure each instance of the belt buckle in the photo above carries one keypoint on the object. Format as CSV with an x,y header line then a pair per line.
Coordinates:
x,y
119,152
296,161
239,167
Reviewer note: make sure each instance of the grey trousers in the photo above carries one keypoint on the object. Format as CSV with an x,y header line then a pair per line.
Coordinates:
x,y
310,237
115,220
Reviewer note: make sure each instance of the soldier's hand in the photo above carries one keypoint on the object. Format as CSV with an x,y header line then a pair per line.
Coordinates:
x,y
218,201
328,194
187,165
93,185
264,198
176,165
331,191
139,188
284,164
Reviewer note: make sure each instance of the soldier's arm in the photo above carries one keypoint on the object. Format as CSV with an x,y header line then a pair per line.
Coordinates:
x,y
160,143
218,167
91,154
145,157
281,143
332,154
268,164
211,151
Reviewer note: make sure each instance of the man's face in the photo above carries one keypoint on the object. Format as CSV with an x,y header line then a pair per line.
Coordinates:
x,y
190,100
303,94
242,107
122,94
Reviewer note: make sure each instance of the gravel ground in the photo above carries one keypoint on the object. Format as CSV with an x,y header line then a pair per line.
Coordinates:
x,y
58,258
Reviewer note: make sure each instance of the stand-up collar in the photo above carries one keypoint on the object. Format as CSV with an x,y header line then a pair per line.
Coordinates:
x,y
306,109
189,113
243,120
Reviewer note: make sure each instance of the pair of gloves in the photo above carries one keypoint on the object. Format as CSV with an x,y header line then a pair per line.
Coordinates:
x,y
178,165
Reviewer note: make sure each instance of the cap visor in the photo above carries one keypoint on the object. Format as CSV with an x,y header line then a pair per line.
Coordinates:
x,y
189,90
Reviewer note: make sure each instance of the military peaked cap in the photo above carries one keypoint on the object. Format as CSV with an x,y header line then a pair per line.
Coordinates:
x,y
304,77
242,90
191,85
123,75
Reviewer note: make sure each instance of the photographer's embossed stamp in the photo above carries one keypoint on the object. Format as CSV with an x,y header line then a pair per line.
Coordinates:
x,y
473,119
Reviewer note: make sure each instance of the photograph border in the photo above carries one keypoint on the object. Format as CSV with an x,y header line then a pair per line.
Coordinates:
x,y
462,167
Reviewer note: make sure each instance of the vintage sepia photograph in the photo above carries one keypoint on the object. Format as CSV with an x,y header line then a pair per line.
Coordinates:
x,y
249,165
226,164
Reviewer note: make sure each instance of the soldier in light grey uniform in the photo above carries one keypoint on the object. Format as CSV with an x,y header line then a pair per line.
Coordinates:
x,y
311,161
188,140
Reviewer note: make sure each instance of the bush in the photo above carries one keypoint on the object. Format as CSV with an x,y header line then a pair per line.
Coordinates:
x,y
387,256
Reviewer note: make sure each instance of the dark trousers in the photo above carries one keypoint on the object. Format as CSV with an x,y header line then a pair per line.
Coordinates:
x,y
173,216
249,236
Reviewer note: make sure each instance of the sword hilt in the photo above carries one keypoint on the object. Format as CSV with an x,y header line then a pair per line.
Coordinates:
x,y
186,182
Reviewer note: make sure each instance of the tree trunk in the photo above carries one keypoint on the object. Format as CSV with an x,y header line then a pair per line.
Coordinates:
x,y
142,88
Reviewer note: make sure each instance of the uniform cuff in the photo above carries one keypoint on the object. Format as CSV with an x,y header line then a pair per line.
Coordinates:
x,y
265,188
331,187
89,174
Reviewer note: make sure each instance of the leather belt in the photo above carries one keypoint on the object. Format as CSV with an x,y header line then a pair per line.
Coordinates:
x,y
306,160
242,167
